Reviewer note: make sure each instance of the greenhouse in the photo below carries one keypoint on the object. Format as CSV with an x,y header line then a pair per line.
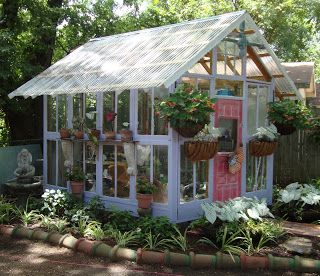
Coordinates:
x,y
112,84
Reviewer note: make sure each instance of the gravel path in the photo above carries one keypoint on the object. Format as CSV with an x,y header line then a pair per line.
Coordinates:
x,y
28,258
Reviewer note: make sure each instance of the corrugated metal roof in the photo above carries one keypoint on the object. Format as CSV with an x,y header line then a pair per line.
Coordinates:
x,y
146,58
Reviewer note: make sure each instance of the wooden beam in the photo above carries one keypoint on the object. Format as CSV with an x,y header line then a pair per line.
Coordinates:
x,y
277,76
288,95
205,66
247,32
256,59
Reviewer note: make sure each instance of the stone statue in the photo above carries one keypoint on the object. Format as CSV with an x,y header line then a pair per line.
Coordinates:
x,y
25,169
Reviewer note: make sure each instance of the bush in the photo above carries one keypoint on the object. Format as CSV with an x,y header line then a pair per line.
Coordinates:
x,y
56,202
156,225
121,220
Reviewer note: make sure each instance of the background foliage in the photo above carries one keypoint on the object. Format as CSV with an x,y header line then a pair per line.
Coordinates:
x,y
36,33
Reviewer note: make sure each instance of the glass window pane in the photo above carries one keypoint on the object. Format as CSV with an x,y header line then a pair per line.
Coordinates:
x,y
51,162
228,139
51,113
123,109
62,111
78,110
229,61
263,101
252,109
256,173
90,167
108,173
144,111
160,124
143,160
91,106
78,154
229,88
109,106
202,176
160,173
64,153
204,85
123,178
186,177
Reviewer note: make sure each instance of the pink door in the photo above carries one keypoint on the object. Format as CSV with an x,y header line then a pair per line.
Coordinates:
x,y
228,118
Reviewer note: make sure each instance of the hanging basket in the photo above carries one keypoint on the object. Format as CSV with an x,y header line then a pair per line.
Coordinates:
x,y
285,129
190,130
262,148
200,150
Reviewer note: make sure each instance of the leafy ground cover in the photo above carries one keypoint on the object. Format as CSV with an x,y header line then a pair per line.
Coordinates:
x,y
240,225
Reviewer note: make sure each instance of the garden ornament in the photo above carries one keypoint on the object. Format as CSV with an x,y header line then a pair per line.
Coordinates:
x,y
25,169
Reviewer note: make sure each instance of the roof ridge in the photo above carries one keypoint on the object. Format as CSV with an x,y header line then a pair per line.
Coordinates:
x,y
186,22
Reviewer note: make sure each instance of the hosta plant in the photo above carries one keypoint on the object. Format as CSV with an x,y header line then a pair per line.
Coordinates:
x,y
298,201
241,208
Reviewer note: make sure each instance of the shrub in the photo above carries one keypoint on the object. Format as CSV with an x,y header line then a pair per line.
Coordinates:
x,y
121,220
156,225
55,202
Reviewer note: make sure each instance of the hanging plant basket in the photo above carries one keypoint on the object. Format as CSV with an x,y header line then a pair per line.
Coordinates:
x,y
262,148
285,129
190,130
200,150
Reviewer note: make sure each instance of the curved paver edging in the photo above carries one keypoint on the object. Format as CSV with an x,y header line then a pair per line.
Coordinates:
x,y
140,256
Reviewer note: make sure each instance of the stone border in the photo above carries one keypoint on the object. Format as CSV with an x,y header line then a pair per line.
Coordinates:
x,y
140,256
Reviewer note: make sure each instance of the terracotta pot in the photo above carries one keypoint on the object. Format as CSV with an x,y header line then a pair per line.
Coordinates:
x,y
190,130
285,129
96,133
78,134
144,200
65,133
110,135
126,135
200,150
262,148
77,188
254,262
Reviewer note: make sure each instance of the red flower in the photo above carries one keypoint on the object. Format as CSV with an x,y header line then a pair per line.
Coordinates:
x,y
171,104
157,113
213,106
110,116
196,100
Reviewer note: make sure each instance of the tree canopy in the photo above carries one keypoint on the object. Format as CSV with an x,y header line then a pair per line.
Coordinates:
x,y
36,33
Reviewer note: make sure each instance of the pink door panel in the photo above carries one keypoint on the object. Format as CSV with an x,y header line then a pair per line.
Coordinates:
x,y
227,185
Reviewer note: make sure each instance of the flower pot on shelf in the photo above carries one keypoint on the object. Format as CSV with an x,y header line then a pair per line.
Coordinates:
x,y
144,200
110,135
285,129
95,133
190,130
78,134
126,135
262,148
200,150
65,133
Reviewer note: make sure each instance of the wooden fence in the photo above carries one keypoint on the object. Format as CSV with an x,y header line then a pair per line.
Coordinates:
x,y
297,159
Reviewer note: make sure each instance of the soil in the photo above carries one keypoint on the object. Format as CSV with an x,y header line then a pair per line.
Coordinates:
x,y
29,258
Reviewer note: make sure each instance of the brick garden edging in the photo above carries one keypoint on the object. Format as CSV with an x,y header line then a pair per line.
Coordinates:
x,y
140,256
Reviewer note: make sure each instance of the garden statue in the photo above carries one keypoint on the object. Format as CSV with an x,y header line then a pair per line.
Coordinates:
x,y
25,169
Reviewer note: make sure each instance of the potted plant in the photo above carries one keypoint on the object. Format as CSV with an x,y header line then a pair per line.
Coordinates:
x,y
65,133
145,191
264,141
204,145
76,177
78,127
187,109
110,133
288,115
126,133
